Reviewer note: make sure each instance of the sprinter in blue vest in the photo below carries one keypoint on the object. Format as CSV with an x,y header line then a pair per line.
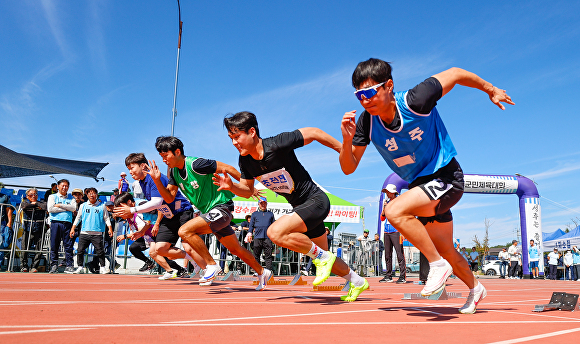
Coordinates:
x,y
94,217
406,129
60,210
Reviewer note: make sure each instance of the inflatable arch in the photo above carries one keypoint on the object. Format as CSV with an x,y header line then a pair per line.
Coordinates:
x,y
529,201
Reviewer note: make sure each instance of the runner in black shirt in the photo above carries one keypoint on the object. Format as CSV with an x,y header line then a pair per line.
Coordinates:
x,y
272,162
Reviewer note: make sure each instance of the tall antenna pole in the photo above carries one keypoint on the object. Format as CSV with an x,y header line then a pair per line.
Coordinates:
x,y
174,112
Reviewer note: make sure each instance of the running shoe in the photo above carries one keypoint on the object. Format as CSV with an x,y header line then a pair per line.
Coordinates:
x,y
53,269
354,292
24,269
103,270
323,268
69,270
386,279
210,274
147,266
78,270
263,279
436,279
183,274
472,300
33,270
168,275
401,281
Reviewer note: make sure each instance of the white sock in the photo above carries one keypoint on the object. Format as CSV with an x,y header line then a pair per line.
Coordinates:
x,y
188,257
440,262
317,252
354,278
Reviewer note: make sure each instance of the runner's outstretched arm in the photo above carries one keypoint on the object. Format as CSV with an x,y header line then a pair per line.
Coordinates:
x,y
245,188
167,193
350,155
457,76
315,134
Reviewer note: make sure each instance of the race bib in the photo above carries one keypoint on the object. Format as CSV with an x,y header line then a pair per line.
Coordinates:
x,y
214,215
436,188
166,211
278,181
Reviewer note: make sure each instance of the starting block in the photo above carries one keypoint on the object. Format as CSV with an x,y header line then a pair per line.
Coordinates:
x,y
230,276
559,301
442,295
340,287
297,280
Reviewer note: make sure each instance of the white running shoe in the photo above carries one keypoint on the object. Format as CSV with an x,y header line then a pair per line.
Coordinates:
x,y
436,279
263,279
78,270
210,274
472,300
168,275
102,270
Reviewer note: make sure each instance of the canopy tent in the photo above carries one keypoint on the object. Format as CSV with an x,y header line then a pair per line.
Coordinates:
x,y
340,210
13,164
554,235
564,242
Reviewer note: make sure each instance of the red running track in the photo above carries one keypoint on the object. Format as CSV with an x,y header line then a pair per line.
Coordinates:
x,y
43,308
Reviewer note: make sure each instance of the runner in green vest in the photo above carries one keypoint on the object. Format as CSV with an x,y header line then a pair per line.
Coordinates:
x,y
193,177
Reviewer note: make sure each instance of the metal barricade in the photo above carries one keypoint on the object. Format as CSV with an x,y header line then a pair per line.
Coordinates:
x,y
6,243
31,238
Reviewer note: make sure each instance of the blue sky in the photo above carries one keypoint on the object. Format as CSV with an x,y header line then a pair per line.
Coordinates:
x,y
93,80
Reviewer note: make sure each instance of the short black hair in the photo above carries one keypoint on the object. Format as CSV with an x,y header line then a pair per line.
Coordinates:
x,y
378,70
242,121
53,184
64,181
91,189
165,144
135,158
123,199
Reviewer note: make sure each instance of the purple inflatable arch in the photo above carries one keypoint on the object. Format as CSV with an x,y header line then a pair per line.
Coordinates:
x,y
529,202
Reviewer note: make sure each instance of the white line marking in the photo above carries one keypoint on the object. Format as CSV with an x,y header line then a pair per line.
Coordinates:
x,y
46,330
539,336
423,310
528,314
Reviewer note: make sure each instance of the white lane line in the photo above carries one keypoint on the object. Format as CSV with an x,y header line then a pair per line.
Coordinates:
x,y
532,313
346,323
46,330
423,310
539,336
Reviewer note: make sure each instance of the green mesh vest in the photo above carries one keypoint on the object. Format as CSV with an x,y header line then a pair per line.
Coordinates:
x,y
199,188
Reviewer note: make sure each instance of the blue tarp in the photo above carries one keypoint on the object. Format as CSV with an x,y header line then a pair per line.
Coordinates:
x,y
554,235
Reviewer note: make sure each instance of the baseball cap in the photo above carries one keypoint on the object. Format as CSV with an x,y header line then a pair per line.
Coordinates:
x,y
108,203
366,231
115,189
123,173
390,188
263,199
77,191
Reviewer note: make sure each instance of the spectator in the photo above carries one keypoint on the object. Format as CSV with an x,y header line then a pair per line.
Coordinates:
x,y
50,191
123,185
366,246
137,191
553,262
6,219
242,231
339,251
34,214
329,238
392,241
378,249
424,268
114,195
78,197
568,266
464,254
514,253
474,260
503,258
108,244
534,255
259,223
95,218
576,262
60,211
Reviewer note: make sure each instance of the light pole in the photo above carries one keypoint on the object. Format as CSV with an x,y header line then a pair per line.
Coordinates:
x,y
174,112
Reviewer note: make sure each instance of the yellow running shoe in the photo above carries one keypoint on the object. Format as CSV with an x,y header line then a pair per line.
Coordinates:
x,y
323,268
354,292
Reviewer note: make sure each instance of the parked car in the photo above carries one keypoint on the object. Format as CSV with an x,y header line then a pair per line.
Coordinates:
x,y
413,267
491,268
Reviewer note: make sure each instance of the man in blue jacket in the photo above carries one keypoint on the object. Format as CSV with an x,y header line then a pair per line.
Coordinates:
x,y
259,223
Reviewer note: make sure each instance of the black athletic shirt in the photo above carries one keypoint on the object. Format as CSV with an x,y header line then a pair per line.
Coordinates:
x,y
421,99
280,170
200,166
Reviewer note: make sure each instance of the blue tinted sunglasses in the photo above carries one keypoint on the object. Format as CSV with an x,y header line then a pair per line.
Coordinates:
x,y
368,92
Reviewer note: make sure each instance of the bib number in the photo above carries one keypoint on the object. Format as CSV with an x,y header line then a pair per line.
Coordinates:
x,y
279,181
166,211
436,188
214,215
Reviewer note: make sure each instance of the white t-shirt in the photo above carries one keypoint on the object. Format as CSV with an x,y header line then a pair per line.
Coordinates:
x,y
514,253
553,258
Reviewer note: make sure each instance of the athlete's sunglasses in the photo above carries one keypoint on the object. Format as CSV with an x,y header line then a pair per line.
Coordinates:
x,y
368,92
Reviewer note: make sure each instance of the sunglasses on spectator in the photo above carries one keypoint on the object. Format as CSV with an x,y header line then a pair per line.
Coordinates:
x,y
368,92
32,194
